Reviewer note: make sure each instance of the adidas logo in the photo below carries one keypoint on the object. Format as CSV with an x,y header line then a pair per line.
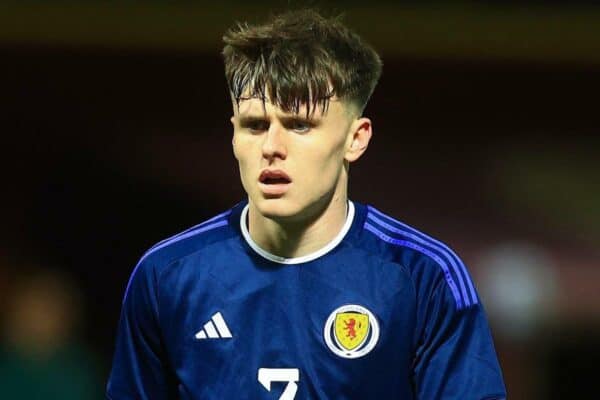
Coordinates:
x,y
216,328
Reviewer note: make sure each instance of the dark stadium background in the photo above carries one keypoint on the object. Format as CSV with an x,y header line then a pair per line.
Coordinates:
x,y
115,135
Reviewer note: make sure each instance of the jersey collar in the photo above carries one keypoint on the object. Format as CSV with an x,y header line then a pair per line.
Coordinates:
x,y
297,260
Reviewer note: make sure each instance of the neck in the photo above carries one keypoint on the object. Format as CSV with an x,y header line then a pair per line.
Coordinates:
x,y
298,237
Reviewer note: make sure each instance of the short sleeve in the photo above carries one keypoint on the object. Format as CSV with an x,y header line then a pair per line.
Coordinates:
x,y
455,356
140,369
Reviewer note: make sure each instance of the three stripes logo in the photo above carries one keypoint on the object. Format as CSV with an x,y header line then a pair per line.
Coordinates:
x,y
215,328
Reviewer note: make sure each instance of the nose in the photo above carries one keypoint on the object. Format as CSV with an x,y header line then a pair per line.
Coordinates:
x,y
274,143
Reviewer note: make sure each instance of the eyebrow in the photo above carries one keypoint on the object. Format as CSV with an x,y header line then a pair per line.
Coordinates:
x,y
285,119
247,119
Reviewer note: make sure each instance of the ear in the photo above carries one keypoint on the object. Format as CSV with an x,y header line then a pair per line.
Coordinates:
x,y
358,139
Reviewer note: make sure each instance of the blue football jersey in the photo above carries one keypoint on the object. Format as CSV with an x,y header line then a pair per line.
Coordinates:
x,y
382,312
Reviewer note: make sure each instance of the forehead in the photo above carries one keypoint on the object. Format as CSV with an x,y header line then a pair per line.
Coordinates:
x,y
254,106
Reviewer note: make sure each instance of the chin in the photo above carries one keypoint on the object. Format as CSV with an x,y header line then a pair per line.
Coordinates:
x,y
277,208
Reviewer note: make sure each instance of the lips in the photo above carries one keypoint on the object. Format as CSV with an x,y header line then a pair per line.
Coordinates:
x,y
274,183
274,177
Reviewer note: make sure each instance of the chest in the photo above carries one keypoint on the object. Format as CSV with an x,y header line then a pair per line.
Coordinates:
x,y
267,332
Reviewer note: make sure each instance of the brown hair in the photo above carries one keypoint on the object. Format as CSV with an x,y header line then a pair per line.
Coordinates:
x,y
300,58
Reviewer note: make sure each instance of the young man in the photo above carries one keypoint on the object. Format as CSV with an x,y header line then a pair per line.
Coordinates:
x,y
299,293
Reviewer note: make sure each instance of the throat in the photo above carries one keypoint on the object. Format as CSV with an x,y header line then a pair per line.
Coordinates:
x,y
294,240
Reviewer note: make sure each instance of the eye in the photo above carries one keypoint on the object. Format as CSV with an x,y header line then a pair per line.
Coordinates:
x,y
300,126
256,126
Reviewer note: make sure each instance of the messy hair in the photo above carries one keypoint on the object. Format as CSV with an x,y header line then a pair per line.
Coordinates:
x,y
300,58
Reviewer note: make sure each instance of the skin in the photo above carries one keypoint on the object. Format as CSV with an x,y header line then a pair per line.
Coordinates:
x,y
315,154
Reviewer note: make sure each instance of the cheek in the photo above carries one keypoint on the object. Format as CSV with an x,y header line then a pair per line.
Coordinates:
x,y
245,156
233,148
241,149
333,156
244,171
236,146
322,166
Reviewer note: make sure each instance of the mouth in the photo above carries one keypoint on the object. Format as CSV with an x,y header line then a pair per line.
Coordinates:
x,y
274,177
274,182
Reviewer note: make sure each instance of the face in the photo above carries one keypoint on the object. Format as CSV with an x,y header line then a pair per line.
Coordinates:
x,y
291,166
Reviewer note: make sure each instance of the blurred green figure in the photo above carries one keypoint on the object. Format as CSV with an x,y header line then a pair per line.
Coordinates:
x,y
38,357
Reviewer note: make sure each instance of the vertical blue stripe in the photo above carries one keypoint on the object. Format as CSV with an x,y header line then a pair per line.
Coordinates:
x,y
175,239
226,213
432,246
451,253
442,263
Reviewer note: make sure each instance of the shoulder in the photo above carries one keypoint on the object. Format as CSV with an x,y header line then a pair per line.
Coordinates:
x,y
194,239
430,261
190,240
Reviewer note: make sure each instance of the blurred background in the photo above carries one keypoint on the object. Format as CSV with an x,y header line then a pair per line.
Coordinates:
x,y
115,135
